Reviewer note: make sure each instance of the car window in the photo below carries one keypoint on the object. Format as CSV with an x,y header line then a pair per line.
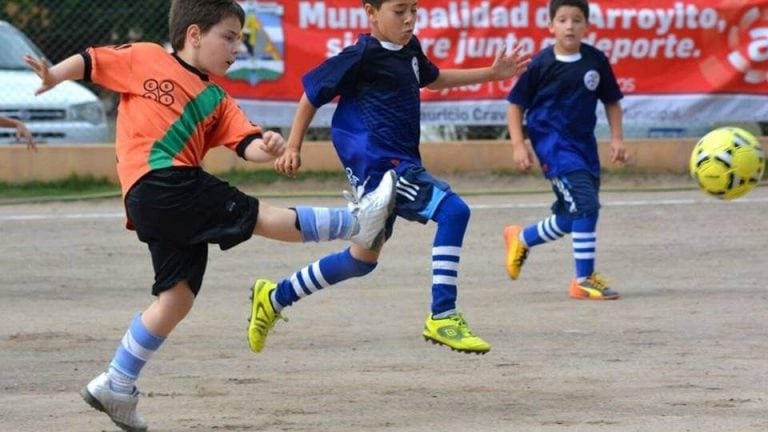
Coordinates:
x,y
15,45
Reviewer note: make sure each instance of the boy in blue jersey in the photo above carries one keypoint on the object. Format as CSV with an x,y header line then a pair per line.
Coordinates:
x,y
558,94
375,128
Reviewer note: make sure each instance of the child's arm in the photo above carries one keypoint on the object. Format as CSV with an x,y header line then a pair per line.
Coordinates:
x,y
503,67
71,68
614,113
290,162
520,152
21,131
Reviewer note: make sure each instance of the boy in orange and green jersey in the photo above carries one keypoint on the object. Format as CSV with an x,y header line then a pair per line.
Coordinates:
x,y
170,115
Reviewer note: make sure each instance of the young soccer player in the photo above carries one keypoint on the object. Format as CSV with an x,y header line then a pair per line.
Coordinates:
x,y
22,133
558,94
170,115
375,129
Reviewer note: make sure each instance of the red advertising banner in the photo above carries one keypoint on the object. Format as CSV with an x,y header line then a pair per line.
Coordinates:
x,y
676,61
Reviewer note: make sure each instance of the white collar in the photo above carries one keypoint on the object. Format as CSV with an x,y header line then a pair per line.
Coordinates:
x,y
390,46
569,58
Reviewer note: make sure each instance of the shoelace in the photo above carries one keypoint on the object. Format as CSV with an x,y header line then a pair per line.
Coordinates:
x,y
461,324
278,316
355,195
521,260
599,282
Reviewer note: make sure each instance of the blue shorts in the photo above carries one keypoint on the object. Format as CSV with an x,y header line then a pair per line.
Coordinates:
x,y
577,194
419,194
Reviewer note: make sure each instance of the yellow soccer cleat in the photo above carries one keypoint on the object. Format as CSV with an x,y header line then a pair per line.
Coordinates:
x,y
454,333
516,253
594,288
263,315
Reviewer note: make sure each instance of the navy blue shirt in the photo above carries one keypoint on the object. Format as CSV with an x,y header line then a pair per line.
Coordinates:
x,y
376,124
559,97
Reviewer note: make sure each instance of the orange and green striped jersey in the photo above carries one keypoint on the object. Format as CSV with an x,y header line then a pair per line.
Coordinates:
x,y
170,114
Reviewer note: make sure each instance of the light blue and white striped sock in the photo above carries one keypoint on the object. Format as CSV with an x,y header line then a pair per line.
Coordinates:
x,y
323,224
135,349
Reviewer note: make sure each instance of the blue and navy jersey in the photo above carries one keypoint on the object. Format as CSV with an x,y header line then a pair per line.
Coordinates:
x,y
559,97
376,123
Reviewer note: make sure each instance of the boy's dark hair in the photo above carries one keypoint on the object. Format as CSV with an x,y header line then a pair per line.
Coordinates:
x,y
204,13
375,3
554,5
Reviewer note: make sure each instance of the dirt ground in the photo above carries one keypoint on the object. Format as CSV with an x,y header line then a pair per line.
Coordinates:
x,y
684,349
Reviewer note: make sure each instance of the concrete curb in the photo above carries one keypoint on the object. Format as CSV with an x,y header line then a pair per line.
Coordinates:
x,y
17,165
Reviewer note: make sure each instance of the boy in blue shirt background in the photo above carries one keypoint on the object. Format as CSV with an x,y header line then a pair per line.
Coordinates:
x,y
375,128
558,94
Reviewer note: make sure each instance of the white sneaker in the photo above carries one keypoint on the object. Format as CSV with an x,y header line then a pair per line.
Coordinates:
x,y
372,211
121,408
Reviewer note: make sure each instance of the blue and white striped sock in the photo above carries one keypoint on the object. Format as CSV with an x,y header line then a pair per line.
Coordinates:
x,y
584,241
445,274
328,271
452,217
547,230
135,349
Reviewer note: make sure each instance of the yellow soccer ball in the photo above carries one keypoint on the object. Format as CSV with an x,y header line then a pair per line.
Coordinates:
x,y
727,163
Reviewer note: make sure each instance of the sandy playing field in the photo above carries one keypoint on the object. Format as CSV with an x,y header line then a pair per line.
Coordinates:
x,y
685,349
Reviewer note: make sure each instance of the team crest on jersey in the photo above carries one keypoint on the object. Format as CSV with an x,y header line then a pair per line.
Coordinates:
x,y
415,66
592,80
160,91
262,52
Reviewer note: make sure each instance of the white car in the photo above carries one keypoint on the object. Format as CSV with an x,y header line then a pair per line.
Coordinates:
x,y
69,113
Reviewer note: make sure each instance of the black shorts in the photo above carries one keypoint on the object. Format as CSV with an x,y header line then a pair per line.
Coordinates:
x,y
177,212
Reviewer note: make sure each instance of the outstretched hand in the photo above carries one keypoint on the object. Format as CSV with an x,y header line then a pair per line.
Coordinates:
x,y
508,65
42,70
